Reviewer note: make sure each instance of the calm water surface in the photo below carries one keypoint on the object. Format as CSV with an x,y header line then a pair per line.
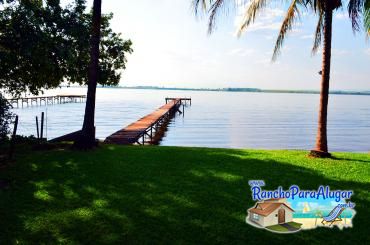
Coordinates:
x,y
218,119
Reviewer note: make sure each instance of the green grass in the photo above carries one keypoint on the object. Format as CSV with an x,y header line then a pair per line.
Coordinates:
x,y
295,224
156,195
281,228
277,228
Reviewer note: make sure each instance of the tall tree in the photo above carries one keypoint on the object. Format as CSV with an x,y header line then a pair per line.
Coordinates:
x,y
44,46
324,10
86,140
31,50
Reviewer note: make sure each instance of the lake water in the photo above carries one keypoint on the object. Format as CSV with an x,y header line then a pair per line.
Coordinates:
x,y
217,119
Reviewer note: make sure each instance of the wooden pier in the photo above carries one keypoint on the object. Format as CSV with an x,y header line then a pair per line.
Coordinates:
x,y
149,129
47,100
182,100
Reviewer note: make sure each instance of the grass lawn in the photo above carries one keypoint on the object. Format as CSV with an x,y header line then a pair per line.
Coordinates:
x,y
295,224
173,195
281,228
277,228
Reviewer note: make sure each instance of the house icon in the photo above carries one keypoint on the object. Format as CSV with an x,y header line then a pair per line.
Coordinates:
x,y
271,212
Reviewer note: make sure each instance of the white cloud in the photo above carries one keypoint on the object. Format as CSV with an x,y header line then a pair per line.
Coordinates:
x,y
265,61
309,36
341,16
269,37
296,31
271,14
340,52
264,26
241,52
367,51
269,19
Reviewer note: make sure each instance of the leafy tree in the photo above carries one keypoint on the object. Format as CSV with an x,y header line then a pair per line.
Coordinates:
x,y
112,48
44,45
5,118
324,11
30,59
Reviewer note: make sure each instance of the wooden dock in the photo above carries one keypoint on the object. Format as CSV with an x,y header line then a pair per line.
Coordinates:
x,y
182,100
47,100
149,129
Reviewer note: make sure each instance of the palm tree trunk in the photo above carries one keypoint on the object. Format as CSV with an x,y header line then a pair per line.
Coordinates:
x,y
87,136
321,149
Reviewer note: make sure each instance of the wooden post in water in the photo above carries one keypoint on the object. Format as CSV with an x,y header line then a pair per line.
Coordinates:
x,y
12,142
37,127
42,126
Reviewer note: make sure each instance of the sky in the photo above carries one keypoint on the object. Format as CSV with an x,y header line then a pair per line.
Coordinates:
x,y
172,49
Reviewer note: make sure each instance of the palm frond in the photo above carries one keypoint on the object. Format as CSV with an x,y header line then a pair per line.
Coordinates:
x,y
200,5
367,17
316,5
251,13
355,9
318,33
214,10
291,15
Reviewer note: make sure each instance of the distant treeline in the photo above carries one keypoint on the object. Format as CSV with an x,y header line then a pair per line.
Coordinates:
x,y
249,90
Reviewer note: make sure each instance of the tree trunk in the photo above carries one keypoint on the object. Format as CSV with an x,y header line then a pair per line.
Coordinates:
x,y
321,149
86,140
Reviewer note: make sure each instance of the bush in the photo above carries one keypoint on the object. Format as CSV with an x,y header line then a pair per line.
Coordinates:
x,y
5,118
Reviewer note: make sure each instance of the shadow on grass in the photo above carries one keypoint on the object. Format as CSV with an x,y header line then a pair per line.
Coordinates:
x,y
349,159
158,195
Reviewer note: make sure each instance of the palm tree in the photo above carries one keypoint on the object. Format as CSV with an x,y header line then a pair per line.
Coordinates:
x,y
324,10
86,139
318,214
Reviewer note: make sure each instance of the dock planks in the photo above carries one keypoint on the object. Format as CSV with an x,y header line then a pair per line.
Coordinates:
x,y
147,125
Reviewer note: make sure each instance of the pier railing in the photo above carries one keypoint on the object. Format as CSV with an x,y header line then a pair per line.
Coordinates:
x,y
149,129
46,100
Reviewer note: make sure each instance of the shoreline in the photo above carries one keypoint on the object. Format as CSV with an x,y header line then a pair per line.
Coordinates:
x,y
243,90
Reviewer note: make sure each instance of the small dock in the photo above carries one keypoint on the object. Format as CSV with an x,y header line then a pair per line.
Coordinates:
x,y
182,100
149,129
46,100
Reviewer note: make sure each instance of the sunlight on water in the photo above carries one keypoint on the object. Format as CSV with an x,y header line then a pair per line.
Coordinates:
x,y
217,119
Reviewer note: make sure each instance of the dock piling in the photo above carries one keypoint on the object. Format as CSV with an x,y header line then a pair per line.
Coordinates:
x,y
12,142
37,127
42,126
